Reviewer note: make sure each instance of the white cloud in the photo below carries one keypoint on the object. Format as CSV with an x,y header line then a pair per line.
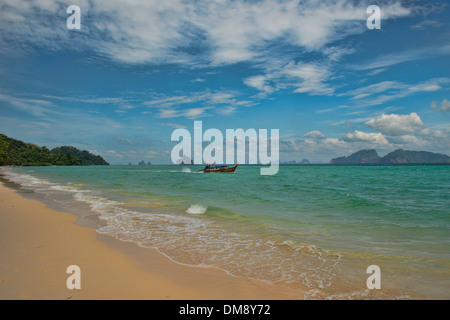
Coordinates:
x,y
428,86
175,125
198,80
373,89
259,82
360,136
190,113
155,31
114,153
186,105
397,125
168,113
220,32
35,107
315,135
409,131
310,78
152,154
408,140
444,106
219,98
122,102
336,53
385,91
377,71
194,113
226,111
426,24
392,59
393,132
167,102
315,150
124,141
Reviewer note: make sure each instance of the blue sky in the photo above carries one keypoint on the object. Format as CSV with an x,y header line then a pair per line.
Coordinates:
x,y
137,70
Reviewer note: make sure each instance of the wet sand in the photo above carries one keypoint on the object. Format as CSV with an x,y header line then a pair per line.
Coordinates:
x,y
38,243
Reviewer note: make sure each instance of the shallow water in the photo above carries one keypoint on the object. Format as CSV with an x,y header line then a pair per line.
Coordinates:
x,y
314,228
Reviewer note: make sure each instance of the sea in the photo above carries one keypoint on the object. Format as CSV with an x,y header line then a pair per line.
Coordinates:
x,y
316,229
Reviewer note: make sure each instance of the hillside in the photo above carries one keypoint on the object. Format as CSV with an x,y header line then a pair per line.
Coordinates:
x,y
18,153
360,157
87,158
414,157
396,157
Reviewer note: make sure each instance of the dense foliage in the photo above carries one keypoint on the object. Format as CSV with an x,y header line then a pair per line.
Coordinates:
x,y
18,153
87,158
407,156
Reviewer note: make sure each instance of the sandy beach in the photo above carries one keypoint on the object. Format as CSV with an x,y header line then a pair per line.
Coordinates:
x,y
39,243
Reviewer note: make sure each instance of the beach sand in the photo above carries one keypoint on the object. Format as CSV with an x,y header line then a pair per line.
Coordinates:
x,y
37,244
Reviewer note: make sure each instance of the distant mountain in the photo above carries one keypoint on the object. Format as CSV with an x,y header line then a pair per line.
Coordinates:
x,y
396,157
87,158
304,161
360,157
18,153
414,157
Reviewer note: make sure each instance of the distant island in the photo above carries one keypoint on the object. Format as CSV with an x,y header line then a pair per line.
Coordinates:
x,y
304,161
399,156
17,153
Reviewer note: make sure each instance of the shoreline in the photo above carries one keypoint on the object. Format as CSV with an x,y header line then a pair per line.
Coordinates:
x,y
39,243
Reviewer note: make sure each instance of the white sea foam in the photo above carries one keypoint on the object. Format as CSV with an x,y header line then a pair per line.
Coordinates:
x,y
67,188
97,204
197,209
24,179
194,241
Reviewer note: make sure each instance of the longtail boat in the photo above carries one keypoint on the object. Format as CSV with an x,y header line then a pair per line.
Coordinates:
x,y
211,168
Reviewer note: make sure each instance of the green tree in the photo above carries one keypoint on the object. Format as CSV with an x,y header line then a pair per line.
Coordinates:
x,y
15,152
4,145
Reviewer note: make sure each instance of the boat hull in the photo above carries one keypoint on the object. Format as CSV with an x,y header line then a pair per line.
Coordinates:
x,y
226,169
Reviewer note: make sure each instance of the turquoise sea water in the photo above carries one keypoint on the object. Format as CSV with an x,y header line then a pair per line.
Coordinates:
x,y
313,228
